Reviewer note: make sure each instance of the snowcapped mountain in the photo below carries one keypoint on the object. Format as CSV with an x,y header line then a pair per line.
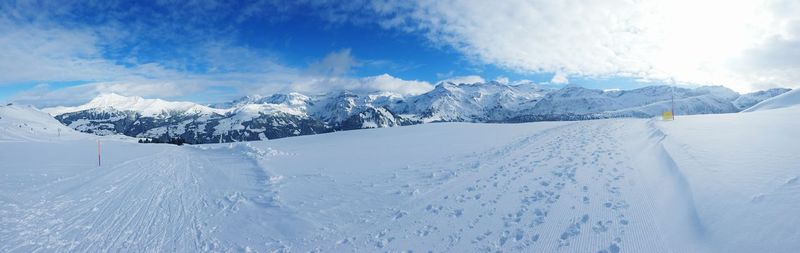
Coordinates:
x,y
702,100
283,115
647,101
148,107
154,118
476,102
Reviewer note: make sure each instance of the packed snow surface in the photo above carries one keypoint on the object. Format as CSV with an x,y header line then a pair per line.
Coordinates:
x,y
706,183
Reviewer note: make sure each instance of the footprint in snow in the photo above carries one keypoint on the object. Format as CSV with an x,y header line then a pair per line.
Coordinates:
x,y
601,226
791,181
757,198
614,248
399,214
572,231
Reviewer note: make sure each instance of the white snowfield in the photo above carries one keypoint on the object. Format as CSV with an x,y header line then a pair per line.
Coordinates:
x,y
706,183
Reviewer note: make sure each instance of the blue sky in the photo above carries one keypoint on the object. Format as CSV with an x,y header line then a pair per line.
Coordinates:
x,y
65,52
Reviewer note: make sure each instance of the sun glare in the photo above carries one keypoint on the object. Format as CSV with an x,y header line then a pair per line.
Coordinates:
x,y
696,40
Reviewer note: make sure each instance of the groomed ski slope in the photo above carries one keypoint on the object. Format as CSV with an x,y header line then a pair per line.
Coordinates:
x,y
707,183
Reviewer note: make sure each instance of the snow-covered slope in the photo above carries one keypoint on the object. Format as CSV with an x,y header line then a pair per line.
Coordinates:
x,y
22,123
705,183
790,98
750,99
741,170
700,104
642,102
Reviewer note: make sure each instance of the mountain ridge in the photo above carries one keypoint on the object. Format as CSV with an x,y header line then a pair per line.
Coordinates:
x,y
257,117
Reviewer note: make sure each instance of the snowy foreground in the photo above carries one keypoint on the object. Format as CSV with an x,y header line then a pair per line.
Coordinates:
x,y
710,183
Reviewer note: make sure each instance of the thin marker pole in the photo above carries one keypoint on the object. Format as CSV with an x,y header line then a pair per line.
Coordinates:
x,y
673,102
98,153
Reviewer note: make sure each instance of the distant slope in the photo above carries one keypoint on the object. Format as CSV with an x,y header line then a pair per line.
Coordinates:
x,y
750,99
790,98
22,123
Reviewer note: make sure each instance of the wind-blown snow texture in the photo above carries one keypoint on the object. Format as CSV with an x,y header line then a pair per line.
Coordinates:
x,y
704,183
283,115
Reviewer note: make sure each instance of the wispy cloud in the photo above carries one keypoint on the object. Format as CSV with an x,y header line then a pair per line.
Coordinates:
x,y
43,95
334,64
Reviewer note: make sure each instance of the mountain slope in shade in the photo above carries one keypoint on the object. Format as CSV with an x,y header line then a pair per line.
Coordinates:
x,y
283,115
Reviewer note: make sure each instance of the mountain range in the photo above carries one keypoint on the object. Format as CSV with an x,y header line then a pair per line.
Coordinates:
x,y
293,114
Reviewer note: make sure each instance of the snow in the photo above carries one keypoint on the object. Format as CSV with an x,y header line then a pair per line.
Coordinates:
x,y
705,183
147,107
19,123
790,98
742,170
750,99
28,124
254,110
282,114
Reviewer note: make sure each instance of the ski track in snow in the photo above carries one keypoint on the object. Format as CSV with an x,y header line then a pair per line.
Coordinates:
x,y
160,202
592,186
567,189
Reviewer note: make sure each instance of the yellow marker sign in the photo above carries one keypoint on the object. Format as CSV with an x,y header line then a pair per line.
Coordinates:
x,y
667,116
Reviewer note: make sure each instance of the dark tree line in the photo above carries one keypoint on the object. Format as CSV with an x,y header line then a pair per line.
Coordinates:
x,y
175,141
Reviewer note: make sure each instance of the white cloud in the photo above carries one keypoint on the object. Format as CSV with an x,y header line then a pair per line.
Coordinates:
x,y
389,83
43,95
559,78
334,64
744,44
379,83
35,53
465,79
502,79
693,41
52,54
38,49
